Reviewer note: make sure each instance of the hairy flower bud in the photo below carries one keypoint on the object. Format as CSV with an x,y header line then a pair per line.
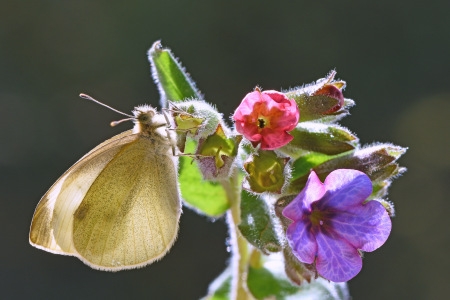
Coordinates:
x,y
333,91
266,172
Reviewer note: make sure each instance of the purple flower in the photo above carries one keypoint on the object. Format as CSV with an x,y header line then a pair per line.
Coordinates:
x,y
332,223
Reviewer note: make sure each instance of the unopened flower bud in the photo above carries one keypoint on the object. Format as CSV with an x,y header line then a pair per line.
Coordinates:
x,y
332,91
266,172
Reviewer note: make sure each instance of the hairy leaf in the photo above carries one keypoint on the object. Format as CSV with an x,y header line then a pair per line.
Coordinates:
x,y
206,196
257,224
326,139
373,161
174,83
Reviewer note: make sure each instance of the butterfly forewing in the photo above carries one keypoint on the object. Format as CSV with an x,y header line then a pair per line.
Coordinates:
x,y
129,217
51,228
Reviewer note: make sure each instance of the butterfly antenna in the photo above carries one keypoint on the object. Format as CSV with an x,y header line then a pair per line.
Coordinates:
x,y
114,123
87,97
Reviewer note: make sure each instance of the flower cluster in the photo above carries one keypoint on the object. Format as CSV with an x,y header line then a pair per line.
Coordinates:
x,y
331,222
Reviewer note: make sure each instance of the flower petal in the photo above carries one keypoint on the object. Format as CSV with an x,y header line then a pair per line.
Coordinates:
x,y
337,260
273,139
366,226
276,96
313,190
345,188
302,241
250,131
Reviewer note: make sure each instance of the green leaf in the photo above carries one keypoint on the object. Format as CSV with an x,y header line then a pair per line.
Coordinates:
x,y
220,288
372,160
317,137
263,284
257,225
303,165
173,82
206,196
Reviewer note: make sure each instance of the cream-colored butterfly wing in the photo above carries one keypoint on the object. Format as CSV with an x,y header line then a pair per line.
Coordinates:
x,y
129,217
51,227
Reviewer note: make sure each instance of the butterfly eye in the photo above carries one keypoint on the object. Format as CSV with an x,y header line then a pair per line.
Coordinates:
x,y
143,118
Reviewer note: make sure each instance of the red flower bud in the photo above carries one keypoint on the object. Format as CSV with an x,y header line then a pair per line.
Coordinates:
x,y
265,117
332,91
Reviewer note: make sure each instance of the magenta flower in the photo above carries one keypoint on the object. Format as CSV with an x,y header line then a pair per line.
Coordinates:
x,y
265,117
332,223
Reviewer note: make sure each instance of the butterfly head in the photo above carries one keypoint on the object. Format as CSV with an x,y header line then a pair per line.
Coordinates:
x,y
147,120
144,114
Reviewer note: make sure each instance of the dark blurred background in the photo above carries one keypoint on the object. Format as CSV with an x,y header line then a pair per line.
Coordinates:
x,y
394,56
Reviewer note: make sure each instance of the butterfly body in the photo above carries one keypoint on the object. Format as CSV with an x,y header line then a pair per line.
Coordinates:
x,y
119,206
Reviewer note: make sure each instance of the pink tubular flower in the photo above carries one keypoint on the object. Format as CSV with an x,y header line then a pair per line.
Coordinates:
x,y
265,117
332,223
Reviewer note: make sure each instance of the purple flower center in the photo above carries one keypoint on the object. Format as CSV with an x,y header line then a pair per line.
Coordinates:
x,y
316,217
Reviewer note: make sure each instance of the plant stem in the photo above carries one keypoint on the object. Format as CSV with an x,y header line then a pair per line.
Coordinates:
x,y
239,245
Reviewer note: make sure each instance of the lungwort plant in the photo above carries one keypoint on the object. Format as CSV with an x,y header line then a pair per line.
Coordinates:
x,y
302,198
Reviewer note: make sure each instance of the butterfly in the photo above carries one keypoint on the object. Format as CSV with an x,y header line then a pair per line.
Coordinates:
x,y
119,206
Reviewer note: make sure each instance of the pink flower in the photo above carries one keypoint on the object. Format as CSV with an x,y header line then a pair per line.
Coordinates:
x,y
265,117
331,222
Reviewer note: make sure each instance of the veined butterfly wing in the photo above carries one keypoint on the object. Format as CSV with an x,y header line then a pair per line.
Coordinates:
x,y
118,207
51,227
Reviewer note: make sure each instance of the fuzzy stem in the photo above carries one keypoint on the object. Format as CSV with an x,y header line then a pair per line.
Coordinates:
x,y
239,246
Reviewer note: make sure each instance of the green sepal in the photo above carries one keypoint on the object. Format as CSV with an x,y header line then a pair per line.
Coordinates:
x,y
267,172
174,83
199,115
218,145
297,271
380,189
257,224
326,139
190,123
205,196
312,107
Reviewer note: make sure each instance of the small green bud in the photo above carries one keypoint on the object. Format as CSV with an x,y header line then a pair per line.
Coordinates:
x,y
217,154
267,172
